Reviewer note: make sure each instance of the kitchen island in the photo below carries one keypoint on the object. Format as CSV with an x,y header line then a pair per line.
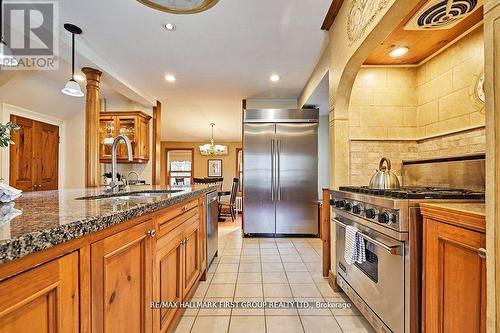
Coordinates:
x,y
81,260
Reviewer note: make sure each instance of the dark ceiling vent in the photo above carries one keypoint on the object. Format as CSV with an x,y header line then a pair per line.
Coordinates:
x,y
442,14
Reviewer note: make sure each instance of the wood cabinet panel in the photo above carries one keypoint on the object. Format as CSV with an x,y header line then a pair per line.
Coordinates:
x,y
121,281
168,277
43,299
454,283
191,257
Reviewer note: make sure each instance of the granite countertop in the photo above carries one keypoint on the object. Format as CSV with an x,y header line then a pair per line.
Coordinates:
x,y
49,218
478,209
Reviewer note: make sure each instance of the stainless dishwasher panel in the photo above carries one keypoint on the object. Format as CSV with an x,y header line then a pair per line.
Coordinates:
x,y
212,226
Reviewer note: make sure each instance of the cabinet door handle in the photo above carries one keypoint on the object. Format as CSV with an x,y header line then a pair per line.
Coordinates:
x,y
183,209
187,240
481,253
152,233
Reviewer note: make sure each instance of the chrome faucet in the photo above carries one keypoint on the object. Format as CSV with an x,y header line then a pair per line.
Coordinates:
x,y
114,183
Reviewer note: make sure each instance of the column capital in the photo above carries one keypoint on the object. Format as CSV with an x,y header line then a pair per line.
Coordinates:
x,y
92,74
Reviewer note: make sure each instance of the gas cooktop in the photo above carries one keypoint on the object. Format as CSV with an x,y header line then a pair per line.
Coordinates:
x,y
418,192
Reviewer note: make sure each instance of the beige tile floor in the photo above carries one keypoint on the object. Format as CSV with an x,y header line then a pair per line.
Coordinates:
x,y
282,269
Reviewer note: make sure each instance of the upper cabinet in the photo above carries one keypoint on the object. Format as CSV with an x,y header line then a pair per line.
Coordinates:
x,y
133,124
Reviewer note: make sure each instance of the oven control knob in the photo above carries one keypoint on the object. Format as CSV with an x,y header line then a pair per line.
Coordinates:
x,y
386,218
348,206
356,209
340,204
332,202
371,213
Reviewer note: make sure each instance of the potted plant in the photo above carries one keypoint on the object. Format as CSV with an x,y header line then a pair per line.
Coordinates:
x,y
5,134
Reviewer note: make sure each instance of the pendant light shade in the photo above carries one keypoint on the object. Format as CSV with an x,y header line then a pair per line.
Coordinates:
x,y
6,56
72,88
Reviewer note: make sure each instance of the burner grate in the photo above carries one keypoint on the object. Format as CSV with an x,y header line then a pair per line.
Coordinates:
x,y
417,192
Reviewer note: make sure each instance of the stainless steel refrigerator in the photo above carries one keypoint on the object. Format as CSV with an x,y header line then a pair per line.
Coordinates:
x,y
280,172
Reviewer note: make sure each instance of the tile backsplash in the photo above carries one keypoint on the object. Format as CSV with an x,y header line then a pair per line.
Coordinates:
x,y
366,154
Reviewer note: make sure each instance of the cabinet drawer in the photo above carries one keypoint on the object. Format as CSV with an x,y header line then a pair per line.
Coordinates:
x,y
176,216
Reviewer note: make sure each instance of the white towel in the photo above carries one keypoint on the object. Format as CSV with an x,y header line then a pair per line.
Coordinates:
x,y
8,193
354,250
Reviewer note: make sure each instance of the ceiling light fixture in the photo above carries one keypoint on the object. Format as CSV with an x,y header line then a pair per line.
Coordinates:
x,y
180,6
399,51
170,78
169,26
275,78
211,149
72,88
6,56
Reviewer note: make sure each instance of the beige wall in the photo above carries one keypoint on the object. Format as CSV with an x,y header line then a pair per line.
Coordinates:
x,y
200,162
384,104
445,85
366,154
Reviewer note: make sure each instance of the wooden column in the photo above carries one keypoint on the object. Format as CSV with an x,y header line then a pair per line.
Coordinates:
x,y
92,110
156,144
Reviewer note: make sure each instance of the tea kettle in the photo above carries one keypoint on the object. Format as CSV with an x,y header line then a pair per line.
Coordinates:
x,y
384,178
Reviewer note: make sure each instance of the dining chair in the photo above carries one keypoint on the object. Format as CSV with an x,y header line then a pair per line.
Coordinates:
x,y
231,204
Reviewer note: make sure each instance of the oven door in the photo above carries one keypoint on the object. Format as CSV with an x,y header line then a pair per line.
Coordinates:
x,y
380,280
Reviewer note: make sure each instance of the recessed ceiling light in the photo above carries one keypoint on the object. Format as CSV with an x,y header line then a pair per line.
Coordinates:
x,y
275,78
79,77
170,78
398,51
169,26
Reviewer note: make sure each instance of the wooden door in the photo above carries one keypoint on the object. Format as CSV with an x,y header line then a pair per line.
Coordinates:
x,y
167,277
34,157
191,257
455,279
21,160
43,299
46,149
121,281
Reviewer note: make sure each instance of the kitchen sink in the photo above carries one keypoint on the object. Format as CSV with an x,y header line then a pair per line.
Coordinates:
x,y
129,195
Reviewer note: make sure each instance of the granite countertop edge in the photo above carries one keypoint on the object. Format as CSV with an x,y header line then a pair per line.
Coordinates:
x,y
29,243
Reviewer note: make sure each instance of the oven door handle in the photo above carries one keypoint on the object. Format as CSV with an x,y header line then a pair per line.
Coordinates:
x,y
392,249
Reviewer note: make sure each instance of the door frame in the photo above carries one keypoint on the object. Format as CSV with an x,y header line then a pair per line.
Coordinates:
x,y
167,176
6,111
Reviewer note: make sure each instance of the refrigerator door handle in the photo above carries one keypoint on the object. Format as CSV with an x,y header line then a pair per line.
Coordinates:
x,y
278,169
272,168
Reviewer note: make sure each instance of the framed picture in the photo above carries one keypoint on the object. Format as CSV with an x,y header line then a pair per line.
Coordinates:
x,y
214,168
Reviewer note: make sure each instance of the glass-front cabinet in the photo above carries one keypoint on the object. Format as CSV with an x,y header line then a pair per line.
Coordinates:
x,y
133,124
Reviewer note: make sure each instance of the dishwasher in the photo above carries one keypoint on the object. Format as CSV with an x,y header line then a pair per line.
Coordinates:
x,y
212,217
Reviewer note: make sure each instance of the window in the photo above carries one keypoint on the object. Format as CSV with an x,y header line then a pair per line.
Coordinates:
x,y
180,167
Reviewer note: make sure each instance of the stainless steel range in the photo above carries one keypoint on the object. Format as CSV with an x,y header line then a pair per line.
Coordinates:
x,y
387,286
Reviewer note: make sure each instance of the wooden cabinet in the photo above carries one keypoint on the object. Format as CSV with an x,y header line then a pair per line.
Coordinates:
x,y
177,265
121,271
133,124
43,299
121,281
454,269
34,156
191,267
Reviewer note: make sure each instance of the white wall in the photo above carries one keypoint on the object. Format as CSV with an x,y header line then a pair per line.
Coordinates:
x,y
271,103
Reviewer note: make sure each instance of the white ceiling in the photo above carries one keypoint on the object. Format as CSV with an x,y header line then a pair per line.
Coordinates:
x,y
219,57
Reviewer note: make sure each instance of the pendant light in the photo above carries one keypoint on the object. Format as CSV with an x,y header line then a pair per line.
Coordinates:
x,y
72,88
211,149
6,56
